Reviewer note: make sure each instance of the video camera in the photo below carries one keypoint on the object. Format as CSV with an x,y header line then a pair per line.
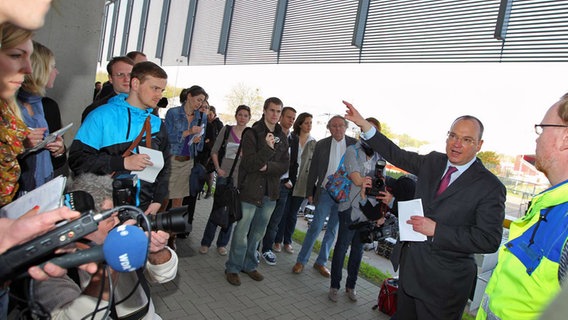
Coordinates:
x,y
370,232
125,192
378,181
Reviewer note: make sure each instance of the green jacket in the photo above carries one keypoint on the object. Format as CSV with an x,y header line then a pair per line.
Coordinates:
x,y
526,278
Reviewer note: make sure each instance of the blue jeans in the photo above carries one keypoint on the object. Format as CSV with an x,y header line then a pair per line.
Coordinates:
x,y
4,295
211,228
282,205
345,238
209,235
288,222
247,234
325,207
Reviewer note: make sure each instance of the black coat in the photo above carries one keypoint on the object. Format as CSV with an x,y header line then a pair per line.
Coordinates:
x,y
253,183
469,214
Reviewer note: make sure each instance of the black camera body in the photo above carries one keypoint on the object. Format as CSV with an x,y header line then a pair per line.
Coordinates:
x,y
368,231
124,192
378,181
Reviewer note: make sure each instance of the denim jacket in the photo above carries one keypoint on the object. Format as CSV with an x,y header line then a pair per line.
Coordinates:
x,y
176,124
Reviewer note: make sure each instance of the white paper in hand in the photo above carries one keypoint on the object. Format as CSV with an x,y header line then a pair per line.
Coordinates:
x,y
149,174
47,197
406,209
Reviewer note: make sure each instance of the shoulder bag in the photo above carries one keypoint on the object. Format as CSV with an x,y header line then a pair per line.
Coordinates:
x,y
338,184
226,203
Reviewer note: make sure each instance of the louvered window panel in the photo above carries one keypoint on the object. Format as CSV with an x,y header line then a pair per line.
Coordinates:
x,y
538,31
207,29
319,32
251,32
431,31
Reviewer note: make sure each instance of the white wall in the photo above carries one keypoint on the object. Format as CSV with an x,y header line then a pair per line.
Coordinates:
x,y
72,31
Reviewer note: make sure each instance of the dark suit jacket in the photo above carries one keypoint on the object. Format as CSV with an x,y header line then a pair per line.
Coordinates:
x,y
294,143
468,216
318,167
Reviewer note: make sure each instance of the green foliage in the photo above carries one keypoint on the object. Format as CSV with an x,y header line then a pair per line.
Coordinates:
x,y
102,77
491,160
404,140
242,94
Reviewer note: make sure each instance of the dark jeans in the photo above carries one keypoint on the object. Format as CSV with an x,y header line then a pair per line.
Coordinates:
x,y
345,238
281,206
211,228
288,221
4,303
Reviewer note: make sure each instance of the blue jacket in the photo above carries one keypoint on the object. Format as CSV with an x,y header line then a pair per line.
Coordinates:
x,y
107,132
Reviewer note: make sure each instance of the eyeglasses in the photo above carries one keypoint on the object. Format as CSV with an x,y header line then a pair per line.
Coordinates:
x,y
466,141
122,75
538,128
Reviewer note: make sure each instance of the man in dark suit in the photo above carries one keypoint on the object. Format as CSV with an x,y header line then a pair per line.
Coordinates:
x,y
325,160
438,275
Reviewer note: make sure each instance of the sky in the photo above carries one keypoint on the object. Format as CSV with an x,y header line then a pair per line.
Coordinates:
x,y
420,100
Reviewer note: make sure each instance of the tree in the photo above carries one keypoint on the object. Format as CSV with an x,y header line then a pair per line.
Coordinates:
x,y
243,94
491,160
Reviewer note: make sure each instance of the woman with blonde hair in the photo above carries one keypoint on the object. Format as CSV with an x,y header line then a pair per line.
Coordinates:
x,y
16,48
37,167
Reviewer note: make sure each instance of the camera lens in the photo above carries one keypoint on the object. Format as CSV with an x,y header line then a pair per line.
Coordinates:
x,y
172,221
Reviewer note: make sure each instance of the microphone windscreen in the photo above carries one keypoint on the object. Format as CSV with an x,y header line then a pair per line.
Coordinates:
x,y
79,200
126,248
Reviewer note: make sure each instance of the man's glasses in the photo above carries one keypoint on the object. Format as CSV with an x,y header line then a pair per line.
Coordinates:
x,y
466,141
538,128
122,75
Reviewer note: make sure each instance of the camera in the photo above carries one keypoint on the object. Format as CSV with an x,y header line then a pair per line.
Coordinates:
x,y
125,192
378,181
368,231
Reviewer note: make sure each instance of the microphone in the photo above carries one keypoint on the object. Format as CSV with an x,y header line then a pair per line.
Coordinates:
x,y
125,249
19,258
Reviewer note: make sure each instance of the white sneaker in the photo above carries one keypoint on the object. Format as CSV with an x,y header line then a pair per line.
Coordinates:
x,y
269,257
332,294
351,293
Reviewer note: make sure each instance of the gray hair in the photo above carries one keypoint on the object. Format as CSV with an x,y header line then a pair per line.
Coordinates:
x,y
98,186
337,117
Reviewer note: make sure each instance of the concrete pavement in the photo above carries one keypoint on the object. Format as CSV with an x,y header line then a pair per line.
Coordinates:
x,y
200,290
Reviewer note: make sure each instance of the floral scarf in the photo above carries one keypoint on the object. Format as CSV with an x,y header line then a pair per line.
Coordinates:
x,y
13,131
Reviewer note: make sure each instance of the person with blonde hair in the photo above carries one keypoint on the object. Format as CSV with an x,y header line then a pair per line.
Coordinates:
x,y
15,50
37,166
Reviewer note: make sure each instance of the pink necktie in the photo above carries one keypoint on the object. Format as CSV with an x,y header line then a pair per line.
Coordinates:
x,y
446,180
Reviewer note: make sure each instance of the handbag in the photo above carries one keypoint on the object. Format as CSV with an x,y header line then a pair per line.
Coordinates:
x,y
387,299
226,202
226,205
338,184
